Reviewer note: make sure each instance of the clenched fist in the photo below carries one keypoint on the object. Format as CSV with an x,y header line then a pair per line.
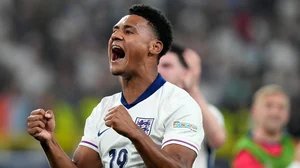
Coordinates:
x,y
41,124
119,119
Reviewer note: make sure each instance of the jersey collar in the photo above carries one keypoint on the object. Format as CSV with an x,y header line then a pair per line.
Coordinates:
x,y
158,82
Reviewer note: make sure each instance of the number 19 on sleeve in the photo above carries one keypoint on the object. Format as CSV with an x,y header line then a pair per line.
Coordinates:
x,y
122,157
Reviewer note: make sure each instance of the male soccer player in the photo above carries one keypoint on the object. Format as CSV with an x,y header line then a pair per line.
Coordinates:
x,y
183,68
152,123
268,146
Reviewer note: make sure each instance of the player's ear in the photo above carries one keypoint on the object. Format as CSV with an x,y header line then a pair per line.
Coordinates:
x,y
155,47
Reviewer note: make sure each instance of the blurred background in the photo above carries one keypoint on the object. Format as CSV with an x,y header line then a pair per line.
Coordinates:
x,y
53,55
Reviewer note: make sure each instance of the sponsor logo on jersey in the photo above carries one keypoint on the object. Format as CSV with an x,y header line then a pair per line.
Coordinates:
x,y
145,124
178,124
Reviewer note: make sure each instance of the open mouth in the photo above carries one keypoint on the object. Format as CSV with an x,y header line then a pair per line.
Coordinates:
x,y
117,53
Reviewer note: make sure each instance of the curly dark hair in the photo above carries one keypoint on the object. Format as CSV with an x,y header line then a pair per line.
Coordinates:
x,y
158,21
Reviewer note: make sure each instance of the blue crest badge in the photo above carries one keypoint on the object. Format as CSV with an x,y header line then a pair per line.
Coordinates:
x,y
145,124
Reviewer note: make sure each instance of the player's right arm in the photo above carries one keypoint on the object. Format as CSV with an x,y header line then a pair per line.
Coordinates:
x,y
41,126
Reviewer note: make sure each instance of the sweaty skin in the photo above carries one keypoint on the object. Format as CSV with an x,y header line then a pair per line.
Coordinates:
x,y
138,70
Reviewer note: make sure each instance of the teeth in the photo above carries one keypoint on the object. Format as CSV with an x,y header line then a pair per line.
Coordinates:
x,y
118,47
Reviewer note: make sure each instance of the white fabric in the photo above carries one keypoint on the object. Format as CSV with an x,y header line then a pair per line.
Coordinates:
x,y
203,156
166,109
294,165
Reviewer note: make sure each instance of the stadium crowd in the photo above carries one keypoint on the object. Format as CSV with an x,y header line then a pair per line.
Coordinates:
x,y
53,54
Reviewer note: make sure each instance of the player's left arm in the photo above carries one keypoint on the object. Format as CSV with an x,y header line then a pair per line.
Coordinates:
x,y
180,144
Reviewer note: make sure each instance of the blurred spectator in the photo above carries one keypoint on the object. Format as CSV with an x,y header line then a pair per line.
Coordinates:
x,y
59,49
267,145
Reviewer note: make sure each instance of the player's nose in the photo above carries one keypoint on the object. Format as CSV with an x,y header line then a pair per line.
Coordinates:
x,y
117,36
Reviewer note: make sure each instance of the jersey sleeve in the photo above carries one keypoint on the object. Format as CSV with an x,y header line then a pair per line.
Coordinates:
x,y
90,138
184,125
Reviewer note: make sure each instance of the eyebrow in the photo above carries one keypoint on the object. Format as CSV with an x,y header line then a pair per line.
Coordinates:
x,y
125,27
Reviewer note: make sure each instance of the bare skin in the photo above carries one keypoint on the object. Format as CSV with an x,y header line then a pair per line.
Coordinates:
x,y
172,70
141,48
41,126
270,114
215,133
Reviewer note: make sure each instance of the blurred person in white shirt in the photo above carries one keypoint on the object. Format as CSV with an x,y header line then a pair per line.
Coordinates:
x,y
182,67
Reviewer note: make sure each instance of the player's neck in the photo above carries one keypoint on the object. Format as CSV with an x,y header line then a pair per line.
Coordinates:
x,y
263,136
133,87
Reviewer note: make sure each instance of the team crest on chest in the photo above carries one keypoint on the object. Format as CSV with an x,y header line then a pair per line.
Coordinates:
x,y
145,124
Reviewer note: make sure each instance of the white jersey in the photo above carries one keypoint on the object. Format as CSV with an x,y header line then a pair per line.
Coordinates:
x,y
206,156
166,113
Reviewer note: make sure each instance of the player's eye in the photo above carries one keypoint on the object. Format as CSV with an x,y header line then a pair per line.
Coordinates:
x,y
166,65
269,105
281,107
128,32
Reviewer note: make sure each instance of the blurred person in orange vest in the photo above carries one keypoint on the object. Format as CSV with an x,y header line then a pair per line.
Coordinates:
x,y
268,145
182,67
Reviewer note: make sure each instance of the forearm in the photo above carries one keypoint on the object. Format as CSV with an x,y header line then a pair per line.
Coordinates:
x,y
213,130
56,156
152,155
